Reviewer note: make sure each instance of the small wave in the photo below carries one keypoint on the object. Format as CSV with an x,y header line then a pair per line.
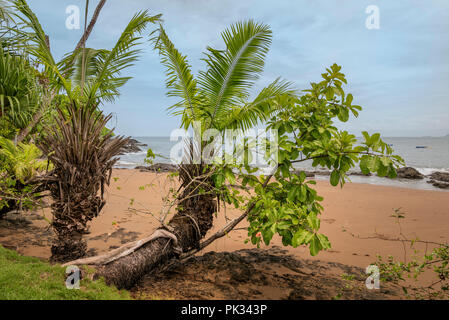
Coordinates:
x,y
427,171
126,163
140,153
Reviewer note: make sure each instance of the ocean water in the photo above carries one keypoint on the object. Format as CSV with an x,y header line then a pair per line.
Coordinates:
x,y
435,157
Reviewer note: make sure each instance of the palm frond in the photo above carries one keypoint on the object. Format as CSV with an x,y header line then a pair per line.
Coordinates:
x,y
180,81
71,66
260,109
21,161
20,92
5,13
232,72
34,41
123,55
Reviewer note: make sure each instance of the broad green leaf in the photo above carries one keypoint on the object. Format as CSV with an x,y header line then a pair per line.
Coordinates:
x,y
315,245
335,177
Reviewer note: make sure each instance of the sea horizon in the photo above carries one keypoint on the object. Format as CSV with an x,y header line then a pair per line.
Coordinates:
x,y
433,158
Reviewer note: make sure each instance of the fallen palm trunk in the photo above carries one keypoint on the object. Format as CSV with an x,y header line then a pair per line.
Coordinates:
x,y
125,266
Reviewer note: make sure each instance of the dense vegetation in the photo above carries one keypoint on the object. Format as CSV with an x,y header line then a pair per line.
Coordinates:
x,y
81,151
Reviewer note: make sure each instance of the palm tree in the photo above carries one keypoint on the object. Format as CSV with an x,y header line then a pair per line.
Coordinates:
x,y
83,159
219,99
81,154
17,39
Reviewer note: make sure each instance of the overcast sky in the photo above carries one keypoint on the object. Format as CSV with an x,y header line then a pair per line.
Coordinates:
x,y
398,73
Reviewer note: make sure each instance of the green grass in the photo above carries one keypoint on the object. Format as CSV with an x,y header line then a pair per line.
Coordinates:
x,y
27,278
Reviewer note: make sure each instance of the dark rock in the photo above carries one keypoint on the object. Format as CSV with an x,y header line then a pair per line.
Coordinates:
x,y
359,173
158,167
439,184
409,173
440,176
132,146
311,174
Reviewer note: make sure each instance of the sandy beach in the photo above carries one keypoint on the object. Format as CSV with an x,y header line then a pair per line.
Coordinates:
x,y
357,219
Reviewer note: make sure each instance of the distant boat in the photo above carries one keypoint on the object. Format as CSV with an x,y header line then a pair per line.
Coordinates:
x,y
421,147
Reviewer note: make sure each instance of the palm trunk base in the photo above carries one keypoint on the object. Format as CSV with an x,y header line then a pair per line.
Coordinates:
x,y
67,249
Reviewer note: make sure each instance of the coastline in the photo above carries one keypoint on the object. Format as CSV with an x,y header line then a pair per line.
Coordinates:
x,y
424,167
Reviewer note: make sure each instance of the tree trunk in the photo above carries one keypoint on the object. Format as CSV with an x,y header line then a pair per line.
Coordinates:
x,y
70,218
36,118
125,266
188,227
92,23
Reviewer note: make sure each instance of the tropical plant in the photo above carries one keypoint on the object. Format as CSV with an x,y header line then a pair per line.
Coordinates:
x,y
22,161
5,14
289,206
20,93
434,265
220,100
284,202
82,155
80,171
19,165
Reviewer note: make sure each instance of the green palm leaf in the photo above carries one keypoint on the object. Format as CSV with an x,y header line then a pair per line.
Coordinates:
x,y
72,66
20,92
233,72
261,108
110,63
34,41
180,81
21,161
5,14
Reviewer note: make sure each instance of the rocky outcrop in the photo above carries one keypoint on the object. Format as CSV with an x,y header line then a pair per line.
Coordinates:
x,y
409,173
439,180
439,184
440,176
132,146
359,173
158,167
311,174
